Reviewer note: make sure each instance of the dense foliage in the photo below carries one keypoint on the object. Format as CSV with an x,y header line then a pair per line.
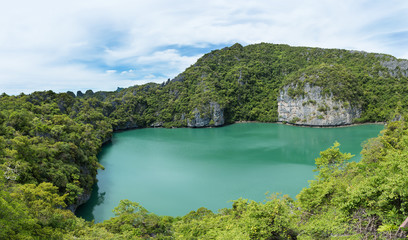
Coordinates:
x,y
49,144
246,81
352,200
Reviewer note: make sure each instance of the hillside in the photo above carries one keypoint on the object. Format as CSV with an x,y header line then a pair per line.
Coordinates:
x,y
248,83
49,144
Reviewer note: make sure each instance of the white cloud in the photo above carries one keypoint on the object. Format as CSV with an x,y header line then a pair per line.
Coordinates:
x,y
75,45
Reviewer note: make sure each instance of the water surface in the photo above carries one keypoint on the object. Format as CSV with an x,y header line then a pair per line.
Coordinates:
x,y
174,171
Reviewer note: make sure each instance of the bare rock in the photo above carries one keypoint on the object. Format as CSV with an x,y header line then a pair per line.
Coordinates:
x,y
212,115
314,109
395,67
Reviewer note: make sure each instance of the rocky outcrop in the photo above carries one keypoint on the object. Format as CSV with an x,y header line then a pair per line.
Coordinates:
x,y
213,115
395,67
82,199
156,124
314,109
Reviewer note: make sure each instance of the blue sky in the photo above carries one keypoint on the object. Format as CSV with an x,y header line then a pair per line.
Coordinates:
x,y
101,45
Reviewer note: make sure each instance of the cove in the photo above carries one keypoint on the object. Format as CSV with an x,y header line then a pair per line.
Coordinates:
x,y
174,171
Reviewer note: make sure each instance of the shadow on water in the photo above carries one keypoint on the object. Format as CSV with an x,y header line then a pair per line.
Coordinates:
x,y
86,210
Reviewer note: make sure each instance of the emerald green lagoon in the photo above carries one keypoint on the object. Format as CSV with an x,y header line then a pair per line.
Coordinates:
x,y
174,171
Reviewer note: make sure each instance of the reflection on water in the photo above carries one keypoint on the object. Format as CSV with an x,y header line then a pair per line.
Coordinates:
x,y
86,210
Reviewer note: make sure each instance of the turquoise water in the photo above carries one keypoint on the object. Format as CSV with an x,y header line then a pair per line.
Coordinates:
x,y
174,171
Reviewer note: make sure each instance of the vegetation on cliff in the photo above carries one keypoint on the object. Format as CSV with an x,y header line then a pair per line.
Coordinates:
x,y
246,81
49,144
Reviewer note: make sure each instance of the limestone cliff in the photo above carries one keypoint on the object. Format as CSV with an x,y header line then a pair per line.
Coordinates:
x,y
211,115
314,109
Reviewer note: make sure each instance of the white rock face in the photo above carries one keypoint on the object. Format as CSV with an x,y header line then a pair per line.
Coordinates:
x,y
314,109
214,113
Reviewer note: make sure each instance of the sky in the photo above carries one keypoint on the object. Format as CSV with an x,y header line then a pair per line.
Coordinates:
x,y
101,45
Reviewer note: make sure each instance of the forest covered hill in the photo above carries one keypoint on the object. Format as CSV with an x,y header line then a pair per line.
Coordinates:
x,y
49,144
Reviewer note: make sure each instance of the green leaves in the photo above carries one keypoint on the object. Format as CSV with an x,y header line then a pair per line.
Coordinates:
x,y
331,162
371,194
33,212
273,219
128,207
132,221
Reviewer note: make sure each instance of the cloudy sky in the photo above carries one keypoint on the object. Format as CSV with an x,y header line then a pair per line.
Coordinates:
x,y
101,45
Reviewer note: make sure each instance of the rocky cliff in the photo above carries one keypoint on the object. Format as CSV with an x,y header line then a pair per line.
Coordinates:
x,y
211,115
314,109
